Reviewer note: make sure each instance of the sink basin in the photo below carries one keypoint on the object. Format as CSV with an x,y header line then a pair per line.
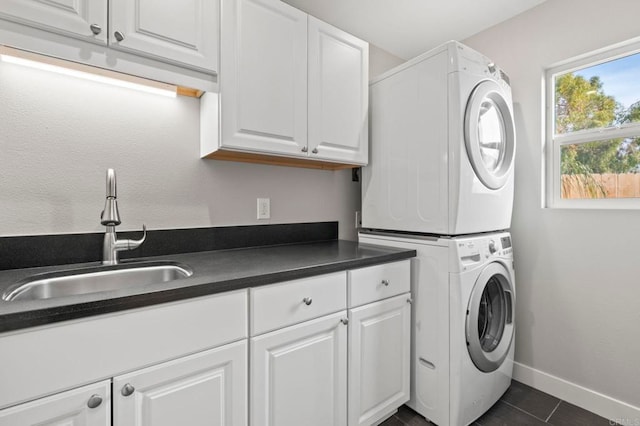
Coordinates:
x,y
95,279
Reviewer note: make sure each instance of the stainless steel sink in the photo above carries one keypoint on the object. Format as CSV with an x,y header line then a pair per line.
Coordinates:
x,y
95,279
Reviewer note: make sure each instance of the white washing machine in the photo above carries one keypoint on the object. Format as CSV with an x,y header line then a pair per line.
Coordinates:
x,y
442,146
463,322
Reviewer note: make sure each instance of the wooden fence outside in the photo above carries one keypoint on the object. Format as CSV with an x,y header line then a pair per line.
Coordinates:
x,y
607,185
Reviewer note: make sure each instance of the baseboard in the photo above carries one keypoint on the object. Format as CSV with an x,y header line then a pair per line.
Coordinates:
x,y
603,405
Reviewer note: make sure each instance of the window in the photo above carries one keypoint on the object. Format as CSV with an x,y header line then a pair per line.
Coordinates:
x,y
593,130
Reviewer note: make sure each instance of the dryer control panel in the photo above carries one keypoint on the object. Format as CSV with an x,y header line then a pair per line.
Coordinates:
x,y
466,59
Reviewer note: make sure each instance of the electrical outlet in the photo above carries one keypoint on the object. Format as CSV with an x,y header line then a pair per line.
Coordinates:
x,y
264,208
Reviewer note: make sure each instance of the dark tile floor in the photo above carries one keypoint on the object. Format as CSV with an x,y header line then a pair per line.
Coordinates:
x,y
521,405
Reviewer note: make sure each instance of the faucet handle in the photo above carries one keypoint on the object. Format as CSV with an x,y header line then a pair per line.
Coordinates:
x,y
134,244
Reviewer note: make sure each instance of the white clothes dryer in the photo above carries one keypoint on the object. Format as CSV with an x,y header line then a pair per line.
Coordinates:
x,y
463,322
442,146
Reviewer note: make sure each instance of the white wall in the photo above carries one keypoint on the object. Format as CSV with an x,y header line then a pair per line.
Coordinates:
x,y
58,135
577,271
380,61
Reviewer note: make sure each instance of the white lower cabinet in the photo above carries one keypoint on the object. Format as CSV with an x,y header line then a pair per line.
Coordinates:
x,y
379,344
205,389
180,363
307,367
330,350
299,374
379,341
86,406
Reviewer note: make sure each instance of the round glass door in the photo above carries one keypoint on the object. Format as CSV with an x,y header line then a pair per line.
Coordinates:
x,y
489,134
490,318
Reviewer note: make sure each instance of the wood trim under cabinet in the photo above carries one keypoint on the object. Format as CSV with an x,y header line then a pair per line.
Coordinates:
x,y
188,91
246,157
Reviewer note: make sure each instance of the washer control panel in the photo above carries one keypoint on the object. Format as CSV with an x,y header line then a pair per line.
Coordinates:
x,y
506,244
478,250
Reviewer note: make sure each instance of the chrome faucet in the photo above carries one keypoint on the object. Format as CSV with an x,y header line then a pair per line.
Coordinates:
x,y
110,218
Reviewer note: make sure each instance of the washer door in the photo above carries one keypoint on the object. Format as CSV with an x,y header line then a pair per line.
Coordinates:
x,y
490,318
489,134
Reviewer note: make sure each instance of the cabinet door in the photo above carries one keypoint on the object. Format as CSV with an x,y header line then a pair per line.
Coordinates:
x,y
299,374
263,77
379,344
338,94
69,17
180,31
85,406
205,389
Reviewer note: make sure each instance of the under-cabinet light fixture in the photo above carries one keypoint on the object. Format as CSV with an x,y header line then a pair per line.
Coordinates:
x,y
86,72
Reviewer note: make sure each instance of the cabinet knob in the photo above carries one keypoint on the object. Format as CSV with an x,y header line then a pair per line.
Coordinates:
x,y
410,301
127,390
95,28
304,149
344,321
315,151
307,301
94,401
385,283
118,35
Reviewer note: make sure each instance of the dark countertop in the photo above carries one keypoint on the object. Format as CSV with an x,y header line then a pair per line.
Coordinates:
x,y
213,272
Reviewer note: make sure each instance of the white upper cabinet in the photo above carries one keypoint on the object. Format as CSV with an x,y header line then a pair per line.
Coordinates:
x,y
263,77
338,94
180,31
84,19
290,86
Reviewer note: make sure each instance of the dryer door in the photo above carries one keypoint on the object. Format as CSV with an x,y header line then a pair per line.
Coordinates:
x,y
490,317
489,134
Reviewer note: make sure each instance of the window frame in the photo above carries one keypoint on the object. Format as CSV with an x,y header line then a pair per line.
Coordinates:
x,y
554,143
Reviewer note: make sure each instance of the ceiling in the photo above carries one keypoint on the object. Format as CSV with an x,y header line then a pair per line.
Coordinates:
x,y
407,28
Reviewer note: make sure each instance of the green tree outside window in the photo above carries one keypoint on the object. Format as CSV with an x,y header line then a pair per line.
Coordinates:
x,y
582,104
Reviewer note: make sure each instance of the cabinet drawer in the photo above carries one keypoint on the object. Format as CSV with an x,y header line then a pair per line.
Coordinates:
x,y
280,305
379,282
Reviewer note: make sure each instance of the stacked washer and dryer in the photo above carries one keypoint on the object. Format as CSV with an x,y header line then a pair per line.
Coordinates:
x,y
440,181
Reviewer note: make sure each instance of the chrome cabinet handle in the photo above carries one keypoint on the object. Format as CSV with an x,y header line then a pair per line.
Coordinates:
x,y
344,321
385,283
315,151
307,301
118,35
127,390
304,149
94,401
95,28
